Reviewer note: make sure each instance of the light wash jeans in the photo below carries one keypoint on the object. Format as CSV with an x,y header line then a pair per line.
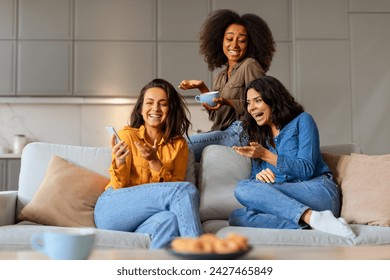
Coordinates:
x,y
281,205
162,210
228,137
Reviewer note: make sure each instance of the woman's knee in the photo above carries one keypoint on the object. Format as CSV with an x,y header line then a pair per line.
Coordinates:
x,y
242,190
236,216
164,216
162,228
100,214
103,221
167,223
189,188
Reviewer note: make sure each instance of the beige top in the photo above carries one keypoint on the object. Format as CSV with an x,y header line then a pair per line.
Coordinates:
x,y
242,73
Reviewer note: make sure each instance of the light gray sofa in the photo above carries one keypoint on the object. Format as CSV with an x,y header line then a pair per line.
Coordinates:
x,y
216,176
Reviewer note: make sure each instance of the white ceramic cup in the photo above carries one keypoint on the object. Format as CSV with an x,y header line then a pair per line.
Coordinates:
x,y
71,244
207,97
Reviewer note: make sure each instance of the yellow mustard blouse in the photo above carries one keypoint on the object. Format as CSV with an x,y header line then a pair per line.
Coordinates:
x,y
136,171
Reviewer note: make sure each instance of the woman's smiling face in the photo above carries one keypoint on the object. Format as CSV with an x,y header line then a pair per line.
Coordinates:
x,y
235,43
258,109
155,107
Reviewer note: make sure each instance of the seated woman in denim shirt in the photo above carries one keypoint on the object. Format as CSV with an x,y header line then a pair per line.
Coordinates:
x,y
291,186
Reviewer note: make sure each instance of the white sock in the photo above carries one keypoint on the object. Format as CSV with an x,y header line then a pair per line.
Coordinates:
x,y
341,219
325,221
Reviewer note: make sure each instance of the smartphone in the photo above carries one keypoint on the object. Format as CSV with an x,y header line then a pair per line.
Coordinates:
x,y
112,131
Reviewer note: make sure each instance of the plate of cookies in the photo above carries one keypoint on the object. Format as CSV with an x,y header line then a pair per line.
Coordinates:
x,y
210,247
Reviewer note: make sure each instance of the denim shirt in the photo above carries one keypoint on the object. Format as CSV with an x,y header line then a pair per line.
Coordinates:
x,y
298,150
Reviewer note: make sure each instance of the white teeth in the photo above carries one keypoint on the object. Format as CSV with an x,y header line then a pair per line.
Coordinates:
x,y
257,115
234,52
155,116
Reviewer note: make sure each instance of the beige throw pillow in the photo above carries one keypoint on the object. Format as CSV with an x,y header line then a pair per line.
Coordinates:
x,y
66,196
338,165
366,190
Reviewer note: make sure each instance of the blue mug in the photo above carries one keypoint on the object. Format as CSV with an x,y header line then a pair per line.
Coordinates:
x,y
71,244
207,97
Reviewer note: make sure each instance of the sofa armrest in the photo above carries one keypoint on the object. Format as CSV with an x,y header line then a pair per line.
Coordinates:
x,y
8,203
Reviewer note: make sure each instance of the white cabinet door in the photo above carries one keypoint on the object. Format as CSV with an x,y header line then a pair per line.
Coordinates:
x,y
13,169
3,175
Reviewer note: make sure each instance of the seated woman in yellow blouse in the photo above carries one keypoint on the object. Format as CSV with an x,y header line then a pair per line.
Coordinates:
x,y
147,192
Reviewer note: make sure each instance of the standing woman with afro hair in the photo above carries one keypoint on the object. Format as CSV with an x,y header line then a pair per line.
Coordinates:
x,y
244,46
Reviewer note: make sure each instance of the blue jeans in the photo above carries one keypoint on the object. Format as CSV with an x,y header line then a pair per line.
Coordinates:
x,y
228,137
281,205
162,210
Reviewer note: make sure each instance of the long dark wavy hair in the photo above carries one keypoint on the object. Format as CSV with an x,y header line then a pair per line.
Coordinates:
x,y
177,122
261,44
284,108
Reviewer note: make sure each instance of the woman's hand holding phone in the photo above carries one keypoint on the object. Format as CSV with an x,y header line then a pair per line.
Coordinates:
x,y
119,150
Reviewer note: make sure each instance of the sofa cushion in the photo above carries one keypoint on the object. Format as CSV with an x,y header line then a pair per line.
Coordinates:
x,y
17,237
366,235
337,157
338,165
36,157
366,190
191,168
8,201
66,197
220,170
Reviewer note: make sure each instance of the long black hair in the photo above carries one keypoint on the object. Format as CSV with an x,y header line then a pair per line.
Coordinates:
x,y
177,123
284,108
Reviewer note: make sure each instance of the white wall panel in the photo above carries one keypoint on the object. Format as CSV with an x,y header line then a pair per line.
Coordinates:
x,y
113,68
181,20
95,118
277,13
182,61
44,68
7,70
45,19
281,67
115,20
7,19
333,56
370,48
323,87
369,6
321,19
